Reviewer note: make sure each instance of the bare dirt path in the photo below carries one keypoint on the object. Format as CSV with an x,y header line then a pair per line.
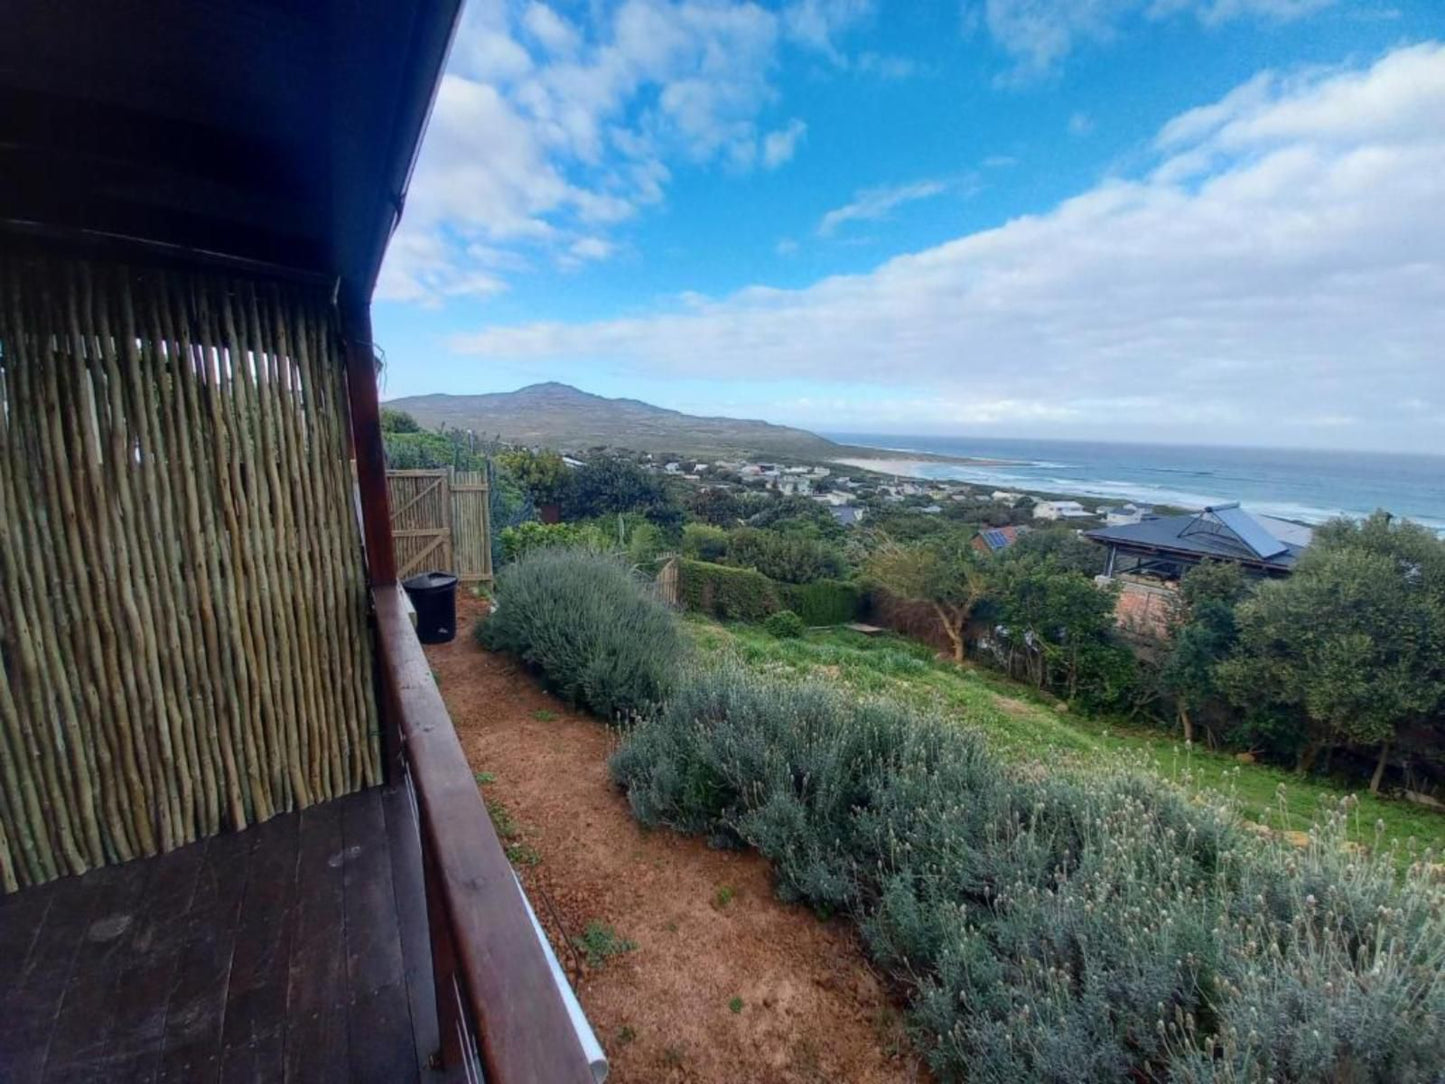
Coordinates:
x,y
726,984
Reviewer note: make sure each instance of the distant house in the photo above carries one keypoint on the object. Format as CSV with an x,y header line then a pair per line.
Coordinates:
x,y
1165,547
792,485
673,468
1006,496
994,539
1060,510
848,515
1124,514
931,509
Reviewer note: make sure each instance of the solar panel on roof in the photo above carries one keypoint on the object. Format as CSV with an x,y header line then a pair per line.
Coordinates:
x,y
996,540
1250,531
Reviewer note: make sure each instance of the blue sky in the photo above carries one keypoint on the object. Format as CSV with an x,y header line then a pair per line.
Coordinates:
x,y
1188,220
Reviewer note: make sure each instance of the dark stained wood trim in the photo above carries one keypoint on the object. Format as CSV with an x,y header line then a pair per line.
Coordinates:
x,y
367,447
523,1030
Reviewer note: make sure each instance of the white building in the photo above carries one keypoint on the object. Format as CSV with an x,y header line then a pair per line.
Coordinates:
x,y
1060,510
1124,515
1006,496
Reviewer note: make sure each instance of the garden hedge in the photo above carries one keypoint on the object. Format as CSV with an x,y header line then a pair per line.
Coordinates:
x,y
743,594
733,594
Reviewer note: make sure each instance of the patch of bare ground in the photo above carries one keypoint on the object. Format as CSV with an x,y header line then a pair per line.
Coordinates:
x,y
726,983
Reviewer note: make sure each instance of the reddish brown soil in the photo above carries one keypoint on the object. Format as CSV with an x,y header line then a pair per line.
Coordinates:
x,y
811,1010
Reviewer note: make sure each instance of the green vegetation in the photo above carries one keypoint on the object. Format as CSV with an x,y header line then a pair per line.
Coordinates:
x,y
1058,926
943,574
544,715
502,819
483,778
600,943
788,558
522,854
542,474
824,602
1024,726
1349,652
607,485
598,636
733,594
724,896
1063,897
785,625
524,538
735,1005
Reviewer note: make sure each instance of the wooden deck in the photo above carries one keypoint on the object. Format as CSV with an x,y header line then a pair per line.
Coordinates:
x,y
295,951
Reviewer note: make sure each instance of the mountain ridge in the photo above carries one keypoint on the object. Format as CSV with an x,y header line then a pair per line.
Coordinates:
x,y
557,415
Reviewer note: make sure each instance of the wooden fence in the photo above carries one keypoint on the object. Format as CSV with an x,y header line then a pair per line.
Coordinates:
x,y
183,639
440,519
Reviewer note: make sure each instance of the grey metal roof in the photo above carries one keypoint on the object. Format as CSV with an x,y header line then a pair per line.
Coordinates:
x,y
1206,533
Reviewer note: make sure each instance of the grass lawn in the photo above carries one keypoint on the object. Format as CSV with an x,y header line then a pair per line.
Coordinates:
x,y
1024,726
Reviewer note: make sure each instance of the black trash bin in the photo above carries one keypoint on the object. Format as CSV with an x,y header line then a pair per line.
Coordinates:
x,y
434,595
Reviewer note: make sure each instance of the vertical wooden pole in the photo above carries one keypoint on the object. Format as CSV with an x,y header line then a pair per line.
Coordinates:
x,y
367,447
370,454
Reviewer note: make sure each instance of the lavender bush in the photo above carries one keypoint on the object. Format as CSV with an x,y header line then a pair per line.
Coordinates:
x,y
1049,928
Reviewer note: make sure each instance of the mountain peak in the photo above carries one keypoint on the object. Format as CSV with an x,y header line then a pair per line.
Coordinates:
x,y
561,416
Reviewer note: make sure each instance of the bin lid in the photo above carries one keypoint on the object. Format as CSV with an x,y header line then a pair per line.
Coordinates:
x,y
429,581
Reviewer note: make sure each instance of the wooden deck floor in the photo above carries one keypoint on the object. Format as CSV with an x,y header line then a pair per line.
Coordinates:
x,y
292,951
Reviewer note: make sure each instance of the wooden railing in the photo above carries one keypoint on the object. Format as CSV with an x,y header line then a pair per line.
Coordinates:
x,y
496,996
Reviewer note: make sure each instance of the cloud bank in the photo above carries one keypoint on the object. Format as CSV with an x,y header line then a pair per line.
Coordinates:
x,y
1278,274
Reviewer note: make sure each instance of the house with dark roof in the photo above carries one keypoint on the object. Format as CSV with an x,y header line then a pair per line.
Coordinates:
x,y
1166,547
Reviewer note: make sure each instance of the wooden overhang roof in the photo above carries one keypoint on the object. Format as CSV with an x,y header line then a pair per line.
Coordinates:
x,y
279,133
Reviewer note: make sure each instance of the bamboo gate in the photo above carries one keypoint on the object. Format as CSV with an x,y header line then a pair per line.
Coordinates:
x,y
183,643
440,519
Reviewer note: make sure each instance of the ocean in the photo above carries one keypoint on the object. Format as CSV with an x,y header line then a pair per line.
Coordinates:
x,y
1308,486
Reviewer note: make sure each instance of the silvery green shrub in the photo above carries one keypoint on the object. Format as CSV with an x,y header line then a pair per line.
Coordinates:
x,y
1056,927
597,634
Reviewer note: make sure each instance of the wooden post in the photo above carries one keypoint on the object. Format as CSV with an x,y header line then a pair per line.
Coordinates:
x,y
367,446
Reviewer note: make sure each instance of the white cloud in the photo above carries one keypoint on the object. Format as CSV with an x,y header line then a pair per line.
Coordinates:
x,y
1000,161
886,66
1080,124
1283,264
872,204
786,246
1039,34
552,31
779,146
815,24
546,129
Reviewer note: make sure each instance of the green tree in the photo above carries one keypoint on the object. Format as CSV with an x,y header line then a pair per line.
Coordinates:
x,y
398,421
606,485
542,474
791,558
1062,623
1203,637
1353,644
943,573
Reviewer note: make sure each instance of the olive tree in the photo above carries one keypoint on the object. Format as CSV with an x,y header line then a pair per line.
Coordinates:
x,y
943,573
1353,642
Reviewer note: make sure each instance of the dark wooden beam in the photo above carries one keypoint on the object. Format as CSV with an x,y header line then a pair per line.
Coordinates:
x,y
367,447
481,932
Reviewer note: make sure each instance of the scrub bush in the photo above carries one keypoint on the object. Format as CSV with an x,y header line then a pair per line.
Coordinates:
x,y
785,625
525,538
598,636
1051,927
790,558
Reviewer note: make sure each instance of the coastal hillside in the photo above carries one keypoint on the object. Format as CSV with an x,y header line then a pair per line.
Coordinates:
x,y
564,417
